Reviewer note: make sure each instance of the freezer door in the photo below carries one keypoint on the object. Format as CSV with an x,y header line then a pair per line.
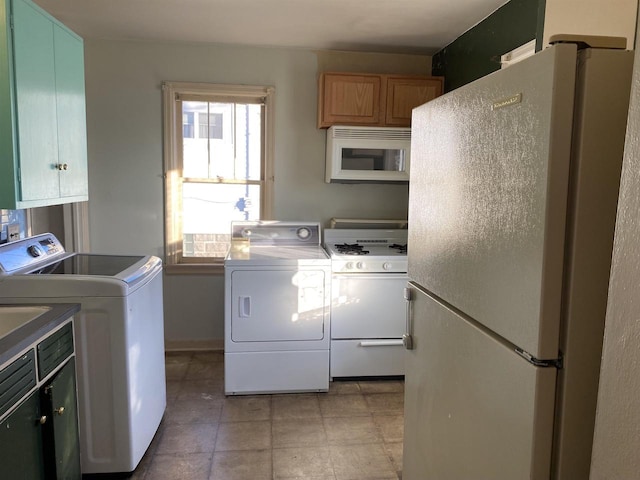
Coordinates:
x,y
474,409
488,195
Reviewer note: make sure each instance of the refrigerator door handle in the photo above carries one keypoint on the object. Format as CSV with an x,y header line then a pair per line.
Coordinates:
x,y
553,363
407,338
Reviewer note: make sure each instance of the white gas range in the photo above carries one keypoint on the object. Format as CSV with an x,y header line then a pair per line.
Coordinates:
x,y
368,308
367,250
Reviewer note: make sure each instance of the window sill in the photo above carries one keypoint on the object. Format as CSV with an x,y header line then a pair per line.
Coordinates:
x,y
194,269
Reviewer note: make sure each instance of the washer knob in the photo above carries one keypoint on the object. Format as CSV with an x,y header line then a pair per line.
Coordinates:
x,y
34,251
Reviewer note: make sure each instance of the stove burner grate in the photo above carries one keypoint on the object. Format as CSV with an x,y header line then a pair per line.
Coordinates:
x,y
399,248
351,249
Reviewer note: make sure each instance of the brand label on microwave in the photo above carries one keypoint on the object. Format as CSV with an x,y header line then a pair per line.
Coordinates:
x,y
507,102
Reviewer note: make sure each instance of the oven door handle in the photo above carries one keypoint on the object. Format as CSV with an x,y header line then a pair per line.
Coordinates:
x,y
381,343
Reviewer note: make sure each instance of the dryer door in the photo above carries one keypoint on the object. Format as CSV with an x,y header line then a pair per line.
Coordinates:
x,y
278,305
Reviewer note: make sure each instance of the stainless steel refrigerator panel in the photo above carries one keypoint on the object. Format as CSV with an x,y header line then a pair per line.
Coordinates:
x,y
474,409
487,197
603,88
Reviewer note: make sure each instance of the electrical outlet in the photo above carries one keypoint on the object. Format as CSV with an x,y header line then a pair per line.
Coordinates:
x,y
13,232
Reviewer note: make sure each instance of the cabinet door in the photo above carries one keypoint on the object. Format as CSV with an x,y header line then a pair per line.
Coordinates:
x,y
63,445
406,93
72,137
35,86
348,99
21,440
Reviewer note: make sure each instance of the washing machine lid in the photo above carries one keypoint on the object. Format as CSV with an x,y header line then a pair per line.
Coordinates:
x,y
40,264
90,264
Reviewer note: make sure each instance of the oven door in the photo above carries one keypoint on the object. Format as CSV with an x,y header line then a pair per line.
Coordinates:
x,y
369,305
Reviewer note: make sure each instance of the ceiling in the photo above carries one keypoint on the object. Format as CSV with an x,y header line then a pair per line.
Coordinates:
x,y
393,26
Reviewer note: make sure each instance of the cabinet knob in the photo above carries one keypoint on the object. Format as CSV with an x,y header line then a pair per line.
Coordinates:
x,y
59,411
63,166
42,419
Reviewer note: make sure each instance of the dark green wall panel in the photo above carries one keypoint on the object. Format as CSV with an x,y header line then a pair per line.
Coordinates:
x,y
477,52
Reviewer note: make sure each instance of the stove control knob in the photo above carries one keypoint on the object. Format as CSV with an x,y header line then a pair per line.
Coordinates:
x,y
386,266
360,265
349,266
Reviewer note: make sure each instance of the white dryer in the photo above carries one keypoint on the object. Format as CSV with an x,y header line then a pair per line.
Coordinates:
x,y
277,304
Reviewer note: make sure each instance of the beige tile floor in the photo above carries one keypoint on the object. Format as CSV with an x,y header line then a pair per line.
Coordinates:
x,y
352,432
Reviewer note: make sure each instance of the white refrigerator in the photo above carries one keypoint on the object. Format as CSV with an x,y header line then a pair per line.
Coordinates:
x,y
512,203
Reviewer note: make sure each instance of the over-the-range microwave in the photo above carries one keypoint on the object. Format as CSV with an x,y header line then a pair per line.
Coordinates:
x,y
367,154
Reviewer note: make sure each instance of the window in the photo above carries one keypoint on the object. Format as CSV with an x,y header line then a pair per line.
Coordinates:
x,y
212,127
187,125
218,152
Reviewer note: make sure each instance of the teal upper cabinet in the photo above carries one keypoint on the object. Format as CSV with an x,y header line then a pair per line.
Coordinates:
x,y
35,86
71,116
43,127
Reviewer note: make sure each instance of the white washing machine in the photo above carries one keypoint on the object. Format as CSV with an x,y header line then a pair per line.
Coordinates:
x,y
277,304
119,336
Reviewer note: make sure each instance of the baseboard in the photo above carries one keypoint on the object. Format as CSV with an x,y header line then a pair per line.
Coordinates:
x,y
194,345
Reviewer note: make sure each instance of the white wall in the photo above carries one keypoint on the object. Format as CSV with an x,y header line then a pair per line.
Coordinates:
x,y
48,219
617,433
124,126
591,17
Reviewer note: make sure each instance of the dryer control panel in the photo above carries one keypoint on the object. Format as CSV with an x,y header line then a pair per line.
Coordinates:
x,y
276,233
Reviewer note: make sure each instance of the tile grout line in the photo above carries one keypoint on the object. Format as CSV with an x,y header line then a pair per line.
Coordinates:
x,y
372,412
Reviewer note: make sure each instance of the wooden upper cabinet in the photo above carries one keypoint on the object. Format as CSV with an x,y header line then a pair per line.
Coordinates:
x,y
406,93
372,99
348,99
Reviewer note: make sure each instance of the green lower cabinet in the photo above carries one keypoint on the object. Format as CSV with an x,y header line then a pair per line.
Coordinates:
x,y
40,440
21,455
62,444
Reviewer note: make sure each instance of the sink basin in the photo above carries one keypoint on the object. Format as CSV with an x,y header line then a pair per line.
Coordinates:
x,y
12,318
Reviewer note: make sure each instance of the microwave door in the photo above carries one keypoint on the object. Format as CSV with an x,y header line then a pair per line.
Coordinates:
x,y
368,158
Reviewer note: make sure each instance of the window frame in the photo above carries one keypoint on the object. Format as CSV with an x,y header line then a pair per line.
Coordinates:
x,y
175,262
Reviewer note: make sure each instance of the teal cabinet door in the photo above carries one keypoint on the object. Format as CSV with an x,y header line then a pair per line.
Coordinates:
x,y
71,113
35,86
21,456
43,139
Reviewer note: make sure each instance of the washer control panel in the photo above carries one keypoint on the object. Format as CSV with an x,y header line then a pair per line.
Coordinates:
x,y
28,252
